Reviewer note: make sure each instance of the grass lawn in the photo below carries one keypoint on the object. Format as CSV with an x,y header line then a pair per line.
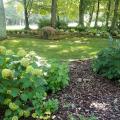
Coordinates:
x,y
69,48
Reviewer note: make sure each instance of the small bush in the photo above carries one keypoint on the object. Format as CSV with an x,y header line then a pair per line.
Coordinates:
x,y
61,24
99,32
43,23
60,79
107,63
24,83
80,29
114,33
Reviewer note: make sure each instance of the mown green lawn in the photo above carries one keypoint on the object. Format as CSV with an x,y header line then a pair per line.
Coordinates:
x,y
69,48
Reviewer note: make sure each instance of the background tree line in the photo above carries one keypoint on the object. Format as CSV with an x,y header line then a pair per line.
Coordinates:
x,y
87,13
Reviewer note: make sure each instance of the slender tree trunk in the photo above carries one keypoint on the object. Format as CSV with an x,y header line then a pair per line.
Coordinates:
x,y
26,15
91,15
97,13
81,13
2,21
108,13
119,23
53,13
115,17
58,22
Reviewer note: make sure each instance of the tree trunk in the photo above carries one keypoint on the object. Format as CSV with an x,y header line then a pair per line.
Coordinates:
x,y
108,13
97,13
115,17
119,23
26,15
91,15
2,21
81,13
53,13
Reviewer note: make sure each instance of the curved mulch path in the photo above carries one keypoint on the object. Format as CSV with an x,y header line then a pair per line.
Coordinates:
x,y
88,95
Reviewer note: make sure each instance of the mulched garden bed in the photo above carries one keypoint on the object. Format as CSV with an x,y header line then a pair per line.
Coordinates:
x,y
88,95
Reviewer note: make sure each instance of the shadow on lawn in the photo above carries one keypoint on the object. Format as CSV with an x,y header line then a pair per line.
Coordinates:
x,y
74,48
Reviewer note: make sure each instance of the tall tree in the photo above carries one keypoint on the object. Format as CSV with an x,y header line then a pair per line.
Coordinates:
x,y
27,8
81,13
97,13
115,17
26,14
2,21
108,12
91,11
119,22
53,13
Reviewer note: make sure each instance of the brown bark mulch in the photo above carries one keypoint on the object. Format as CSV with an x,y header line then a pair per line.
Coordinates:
x,y
88,94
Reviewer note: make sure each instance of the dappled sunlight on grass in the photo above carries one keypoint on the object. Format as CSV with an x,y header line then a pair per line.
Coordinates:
x,y
70,48
53,46
64,51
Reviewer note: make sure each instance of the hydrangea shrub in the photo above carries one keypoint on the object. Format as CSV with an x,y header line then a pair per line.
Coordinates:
x,y
25,80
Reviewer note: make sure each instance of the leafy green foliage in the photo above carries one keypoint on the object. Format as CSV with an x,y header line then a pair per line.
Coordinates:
x,y
43,23
24,85
115,43
107,63
46,22
81,117
98,32
63,49
61,24
58,77
80,29
87,118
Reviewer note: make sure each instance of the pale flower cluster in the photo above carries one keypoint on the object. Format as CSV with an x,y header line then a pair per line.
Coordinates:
x,y
37,72
25,62
9,52
21,53
2,50
7,73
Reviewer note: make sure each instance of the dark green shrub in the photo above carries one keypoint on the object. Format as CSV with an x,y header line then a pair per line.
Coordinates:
x,y
80,29
107,63
61,24
114,33
98,32
43,23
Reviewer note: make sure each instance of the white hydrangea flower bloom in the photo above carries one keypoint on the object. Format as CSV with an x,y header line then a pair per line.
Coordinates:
x,y
9,52
2,50
37,72
21,53
7,73
25,62
29,69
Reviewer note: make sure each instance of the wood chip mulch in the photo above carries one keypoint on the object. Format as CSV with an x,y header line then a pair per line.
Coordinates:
x,y
88,94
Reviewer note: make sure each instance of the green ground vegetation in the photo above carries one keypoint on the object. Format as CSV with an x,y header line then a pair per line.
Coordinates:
x,y
64,49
